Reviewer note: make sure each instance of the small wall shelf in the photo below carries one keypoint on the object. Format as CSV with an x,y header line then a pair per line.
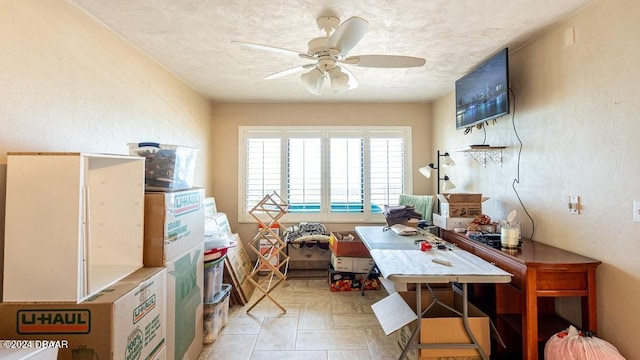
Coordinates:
x,y
480,153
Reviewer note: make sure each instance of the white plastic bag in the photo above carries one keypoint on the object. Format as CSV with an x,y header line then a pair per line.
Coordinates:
x,y
571,344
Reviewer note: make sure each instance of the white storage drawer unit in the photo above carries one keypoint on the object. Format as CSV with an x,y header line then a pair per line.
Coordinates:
x,y
74,224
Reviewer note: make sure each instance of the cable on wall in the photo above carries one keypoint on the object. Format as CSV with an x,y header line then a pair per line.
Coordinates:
x,y
517,178
484,130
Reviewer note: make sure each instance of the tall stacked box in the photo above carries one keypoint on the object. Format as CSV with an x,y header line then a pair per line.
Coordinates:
x,y
185,305
124,321
173,224
350,263
174,238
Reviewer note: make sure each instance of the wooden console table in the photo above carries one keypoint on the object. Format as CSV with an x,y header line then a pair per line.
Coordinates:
x,y
526,305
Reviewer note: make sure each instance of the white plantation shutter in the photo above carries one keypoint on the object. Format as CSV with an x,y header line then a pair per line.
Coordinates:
x,y
263,169
387,171
346,174
341,174
304,170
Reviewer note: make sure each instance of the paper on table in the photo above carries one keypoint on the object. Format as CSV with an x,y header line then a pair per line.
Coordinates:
x,y
403,262
393,313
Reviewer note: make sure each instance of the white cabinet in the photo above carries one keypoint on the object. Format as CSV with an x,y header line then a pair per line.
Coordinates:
x,y
74,224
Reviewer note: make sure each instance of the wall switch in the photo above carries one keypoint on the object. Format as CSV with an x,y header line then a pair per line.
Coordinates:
x,y
574,205
636,211
569,36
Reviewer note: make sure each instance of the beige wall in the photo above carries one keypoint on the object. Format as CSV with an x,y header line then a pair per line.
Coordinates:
x,y
577,115
228,117
69,84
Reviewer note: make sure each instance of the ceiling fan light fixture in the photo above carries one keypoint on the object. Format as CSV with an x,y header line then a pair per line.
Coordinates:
x,y
313,80
331,49
339,80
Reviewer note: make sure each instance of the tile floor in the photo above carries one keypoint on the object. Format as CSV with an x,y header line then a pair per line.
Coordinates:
x,y
318,325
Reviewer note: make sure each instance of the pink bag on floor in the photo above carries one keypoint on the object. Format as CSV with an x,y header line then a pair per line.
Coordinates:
x,y
572,344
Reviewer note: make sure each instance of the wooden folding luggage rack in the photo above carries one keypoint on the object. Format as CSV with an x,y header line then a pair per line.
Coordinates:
x,y
275,260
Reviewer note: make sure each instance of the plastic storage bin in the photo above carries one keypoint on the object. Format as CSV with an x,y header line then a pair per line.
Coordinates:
x,y
216,314
167,167
213,272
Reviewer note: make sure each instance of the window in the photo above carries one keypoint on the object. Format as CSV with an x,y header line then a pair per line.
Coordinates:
x,y
326,174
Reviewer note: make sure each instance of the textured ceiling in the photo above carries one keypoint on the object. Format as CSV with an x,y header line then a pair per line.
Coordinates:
x,y
192,38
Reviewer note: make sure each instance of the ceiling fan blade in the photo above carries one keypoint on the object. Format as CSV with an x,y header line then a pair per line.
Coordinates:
x,y
347,35
353,82
385,61
270,48
290,71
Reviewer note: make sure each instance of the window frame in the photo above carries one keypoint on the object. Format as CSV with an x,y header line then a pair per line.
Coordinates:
x,y
286,132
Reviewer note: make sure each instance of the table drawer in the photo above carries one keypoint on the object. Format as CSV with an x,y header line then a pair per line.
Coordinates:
x,y
502,261
560,282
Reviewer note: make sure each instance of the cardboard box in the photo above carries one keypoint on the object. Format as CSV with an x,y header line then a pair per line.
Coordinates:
x,y
185,283
162,354
460,205
173,224
450,223
238,266
269,246
218,222
269,249
349,281
444,295
29,353
441,325
124,321
341,247
210,207
351,264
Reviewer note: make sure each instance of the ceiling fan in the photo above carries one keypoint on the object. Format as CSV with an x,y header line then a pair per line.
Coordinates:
x,y
329,55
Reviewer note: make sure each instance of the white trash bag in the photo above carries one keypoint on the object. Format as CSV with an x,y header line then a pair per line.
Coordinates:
x,y
571,344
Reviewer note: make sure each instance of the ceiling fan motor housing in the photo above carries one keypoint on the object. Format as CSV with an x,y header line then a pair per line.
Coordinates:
x,y
319,46
327,23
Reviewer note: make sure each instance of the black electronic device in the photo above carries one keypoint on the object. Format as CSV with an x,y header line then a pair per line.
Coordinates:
x,y
483,93
491,239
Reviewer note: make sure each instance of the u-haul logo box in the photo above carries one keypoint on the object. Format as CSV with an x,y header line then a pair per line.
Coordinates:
x,y
173,224
125,321
187,202
144,308
63,321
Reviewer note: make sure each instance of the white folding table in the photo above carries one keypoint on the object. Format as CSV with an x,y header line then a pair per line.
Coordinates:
x,y
399,259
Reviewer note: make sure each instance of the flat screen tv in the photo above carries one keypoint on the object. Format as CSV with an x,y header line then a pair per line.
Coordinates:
x,y
483,93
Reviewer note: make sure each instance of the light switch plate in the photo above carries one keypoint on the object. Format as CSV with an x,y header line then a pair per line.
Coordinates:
x,y
574,205
636,211
569,36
